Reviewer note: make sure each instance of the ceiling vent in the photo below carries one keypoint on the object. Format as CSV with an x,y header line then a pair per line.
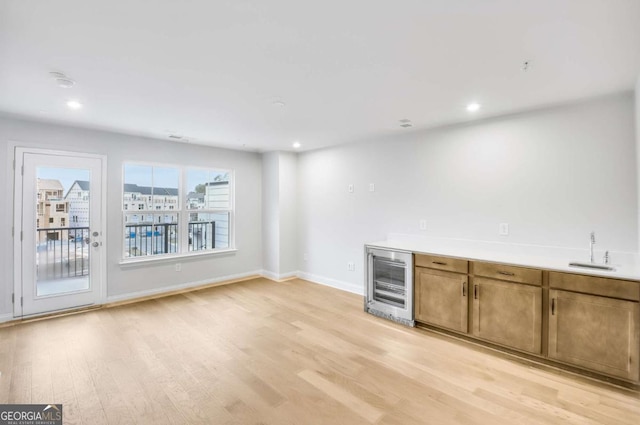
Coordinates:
x,y
62,80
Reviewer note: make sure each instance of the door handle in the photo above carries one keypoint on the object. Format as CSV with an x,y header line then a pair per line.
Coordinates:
x,y
464,289
95,244
475,292
553,306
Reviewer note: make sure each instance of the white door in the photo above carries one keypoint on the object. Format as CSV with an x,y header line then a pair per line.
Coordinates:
x,y
59,231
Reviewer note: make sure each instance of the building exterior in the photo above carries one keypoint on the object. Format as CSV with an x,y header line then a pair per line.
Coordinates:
x,y
148,201
52,211
52,208
78,200
195,200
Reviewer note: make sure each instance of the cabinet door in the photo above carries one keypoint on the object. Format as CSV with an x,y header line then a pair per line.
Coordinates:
x,y
595,332
508,313
441,299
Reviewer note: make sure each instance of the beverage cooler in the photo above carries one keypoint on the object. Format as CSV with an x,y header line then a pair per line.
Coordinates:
x,y
389,285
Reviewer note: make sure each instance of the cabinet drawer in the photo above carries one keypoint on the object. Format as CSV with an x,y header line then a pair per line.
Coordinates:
x,y
442,263
614,288
511,273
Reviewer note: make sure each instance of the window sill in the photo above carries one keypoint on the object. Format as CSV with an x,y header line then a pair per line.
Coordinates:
x,y
173,257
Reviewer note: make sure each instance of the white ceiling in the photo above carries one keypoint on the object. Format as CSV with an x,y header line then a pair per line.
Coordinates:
x,y
347,70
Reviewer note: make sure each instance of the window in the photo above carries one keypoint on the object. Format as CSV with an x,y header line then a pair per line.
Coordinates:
x,y
63,222
210,214
50,220
184,210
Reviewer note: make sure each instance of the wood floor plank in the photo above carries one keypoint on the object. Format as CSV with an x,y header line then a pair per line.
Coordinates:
x,y
263,352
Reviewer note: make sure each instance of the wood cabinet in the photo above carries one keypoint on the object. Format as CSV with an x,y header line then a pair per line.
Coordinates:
x,y
508,314
589,322
595,331
441,298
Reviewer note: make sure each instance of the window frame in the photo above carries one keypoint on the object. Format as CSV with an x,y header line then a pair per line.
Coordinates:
x,y
181,210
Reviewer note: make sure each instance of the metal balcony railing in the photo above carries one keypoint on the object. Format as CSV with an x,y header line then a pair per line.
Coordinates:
x,y
162,238
62,252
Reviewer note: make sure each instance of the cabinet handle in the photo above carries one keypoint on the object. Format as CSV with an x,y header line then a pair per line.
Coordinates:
x,y
475,292
439,263
464,289
553,306
506,273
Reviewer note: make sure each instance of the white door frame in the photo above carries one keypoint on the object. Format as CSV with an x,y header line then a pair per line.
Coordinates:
x,y
101,274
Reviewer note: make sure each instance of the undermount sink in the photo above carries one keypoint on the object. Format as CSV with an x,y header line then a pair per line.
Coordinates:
x,y
593,266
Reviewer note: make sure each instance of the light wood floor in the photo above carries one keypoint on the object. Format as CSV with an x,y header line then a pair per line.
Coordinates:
x,y
260,352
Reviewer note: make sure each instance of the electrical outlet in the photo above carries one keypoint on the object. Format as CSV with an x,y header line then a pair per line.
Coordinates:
x,y
423,224
372,187
503,229
351,266
350,188
178,267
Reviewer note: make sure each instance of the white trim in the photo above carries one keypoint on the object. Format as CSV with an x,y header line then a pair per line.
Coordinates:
x,y
182,212
18,181
132,261
166,289
338,284
276,276
6,317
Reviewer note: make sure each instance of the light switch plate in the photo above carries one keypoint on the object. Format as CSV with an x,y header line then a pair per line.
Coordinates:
x,y
350,188
372,187
503,229
423,224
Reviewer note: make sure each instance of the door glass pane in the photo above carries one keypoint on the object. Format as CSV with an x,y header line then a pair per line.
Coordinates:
x,y
62,230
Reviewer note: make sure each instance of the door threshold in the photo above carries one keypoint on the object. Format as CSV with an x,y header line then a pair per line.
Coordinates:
x,y
51,315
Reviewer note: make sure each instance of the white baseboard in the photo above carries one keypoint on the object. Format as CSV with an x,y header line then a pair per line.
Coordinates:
x,y
158,291
6,317
344,286
338,284
278,277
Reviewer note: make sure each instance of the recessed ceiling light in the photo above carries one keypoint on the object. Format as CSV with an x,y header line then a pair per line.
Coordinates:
x,y
296,145
74,104
473,107
278,103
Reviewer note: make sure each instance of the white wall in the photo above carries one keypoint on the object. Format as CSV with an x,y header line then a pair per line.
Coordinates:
x,y
279,220
637,108
288,216
553,175
270,213
124,280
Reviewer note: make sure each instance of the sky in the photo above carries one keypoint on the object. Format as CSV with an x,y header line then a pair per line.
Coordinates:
x,y
66,176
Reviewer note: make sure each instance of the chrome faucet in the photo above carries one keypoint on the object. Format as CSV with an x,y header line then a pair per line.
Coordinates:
x,y
592,242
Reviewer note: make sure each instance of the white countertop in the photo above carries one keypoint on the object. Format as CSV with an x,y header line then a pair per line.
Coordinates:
x,y
627,265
